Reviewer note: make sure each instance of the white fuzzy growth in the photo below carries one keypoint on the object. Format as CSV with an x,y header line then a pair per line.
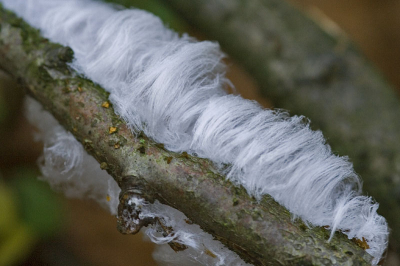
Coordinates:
x,y
66,165
202,248
172,88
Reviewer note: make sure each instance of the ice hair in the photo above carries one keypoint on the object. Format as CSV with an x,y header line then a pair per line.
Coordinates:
x,y
172,89
65,164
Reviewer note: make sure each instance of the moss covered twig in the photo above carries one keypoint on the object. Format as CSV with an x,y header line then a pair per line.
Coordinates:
x,y
262,233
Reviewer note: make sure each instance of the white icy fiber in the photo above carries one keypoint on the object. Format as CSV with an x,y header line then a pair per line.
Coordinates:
x,y
202,248
172,88
66,165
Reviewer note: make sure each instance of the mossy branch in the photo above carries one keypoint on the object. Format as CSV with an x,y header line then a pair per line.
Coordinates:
x,y
319,74
262,233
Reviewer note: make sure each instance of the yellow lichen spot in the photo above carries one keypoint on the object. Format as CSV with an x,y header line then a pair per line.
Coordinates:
x,y
79,89
108,198
112,130
209,253
116,146
362,243
104,166
105,104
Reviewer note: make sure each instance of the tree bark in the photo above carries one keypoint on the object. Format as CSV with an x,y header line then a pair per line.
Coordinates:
x,y
262,233
303,69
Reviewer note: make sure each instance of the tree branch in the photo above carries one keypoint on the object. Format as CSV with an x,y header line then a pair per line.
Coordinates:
x,y
306,70
262,233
